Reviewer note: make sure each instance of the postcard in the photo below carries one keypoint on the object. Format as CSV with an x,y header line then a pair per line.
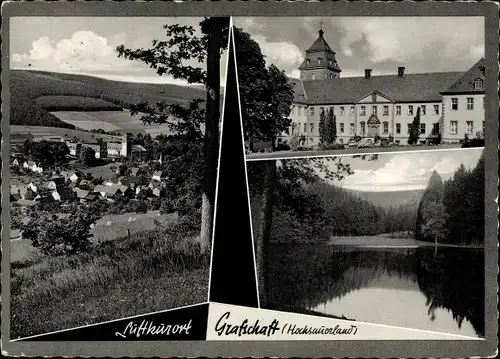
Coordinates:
x,y
249,179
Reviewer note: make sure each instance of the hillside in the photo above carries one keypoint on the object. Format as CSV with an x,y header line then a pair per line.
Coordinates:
x,y
34,93
390,199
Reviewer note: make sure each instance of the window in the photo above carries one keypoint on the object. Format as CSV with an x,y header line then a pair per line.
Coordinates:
x,y
341,110
330,63
319,61
299,112
305,129
351,128
483,127
332,109
341,140
311,111
363,127
330,76
398,110
341,128
293,129
308,61
313,76
469,127
311,127
423,110
435,128
422,128
409,128
453,127
363,111
478,84
454,103
470,103
322,111
352,110
410,109
386,110
398,128
436,109
374,110
386,127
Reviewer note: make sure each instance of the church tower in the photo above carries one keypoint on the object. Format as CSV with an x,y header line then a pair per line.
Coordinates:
x,y
320,62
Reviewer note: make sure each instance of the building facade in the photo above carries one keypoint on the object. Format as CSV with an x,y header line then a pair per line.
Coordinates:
x,y
451,103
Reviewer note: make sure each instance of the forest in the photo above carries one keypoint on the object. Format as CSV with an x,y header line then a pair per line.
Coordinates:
x,y
453,211
317,210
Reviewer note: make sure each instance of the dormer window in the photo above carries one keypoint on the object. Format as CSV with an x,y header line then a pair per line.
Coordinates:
x,y
330,62
478,84
308,61
319,61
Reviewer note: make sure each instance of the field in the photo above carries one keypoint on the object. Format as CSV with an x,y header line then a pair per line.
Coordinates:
x,y
106,229
120,121
150,271
51,131
75,103
32,93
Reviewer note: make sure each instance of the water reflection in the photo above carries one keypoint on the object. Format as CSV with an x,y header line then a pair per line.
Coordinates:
x,y
414,288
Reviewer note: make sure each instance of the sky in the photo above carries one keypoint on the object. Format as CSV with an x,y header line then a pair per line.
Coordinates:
x,y
405,171
421,44
86,45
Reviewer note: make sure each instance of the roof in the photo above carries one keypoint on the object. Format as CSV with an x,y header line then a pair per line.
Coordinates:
x,y
81,193
299,95
14,189
465,84
424,87
15,197
25,202
320,44
106,189
138,148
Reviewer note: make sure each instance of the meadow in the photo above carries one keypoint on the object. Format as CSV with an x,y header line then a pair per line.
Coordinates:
x,y
120,121
149,271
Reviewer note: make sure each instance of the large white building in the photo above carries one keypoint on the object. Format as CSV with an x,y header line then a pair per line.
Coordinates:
x,y
451,103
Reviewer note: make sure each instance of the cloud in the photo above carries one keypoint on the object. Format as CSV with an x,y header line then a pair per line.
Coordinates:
x,y
284,55
83,51
408,171
408,38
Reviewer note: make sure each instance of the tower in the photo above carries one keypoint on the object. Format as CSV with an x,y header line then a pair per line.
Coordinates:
x,y
320,62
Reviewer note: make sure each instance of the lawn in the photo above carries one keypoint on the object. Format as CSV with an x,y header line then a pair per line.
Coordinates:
x,y
150,271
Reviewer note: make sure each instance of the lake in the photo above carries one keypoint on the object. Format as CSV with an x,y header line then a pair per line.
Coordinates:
x,y
415,288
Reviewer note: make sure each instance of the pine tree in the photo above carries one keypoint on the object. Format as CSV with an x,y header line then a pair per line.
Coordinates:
x,y
415,129
433,193
322,128
332,127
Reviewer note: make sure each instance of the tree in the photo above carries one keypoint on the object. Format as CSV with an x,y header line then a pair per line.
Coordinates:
x,y
145,193
167,57
331,127
266,94
60,236
415,129
433,221
323,128
87,156
433,193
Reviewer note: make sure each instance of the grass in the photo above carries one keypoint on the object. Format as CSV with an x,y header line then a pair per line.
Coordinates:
x,y
149,271
120,121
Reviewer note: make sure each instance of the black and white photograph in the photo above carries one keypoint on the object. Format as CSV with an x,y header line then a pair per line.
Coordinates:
x,y
393,239
114,141
331,85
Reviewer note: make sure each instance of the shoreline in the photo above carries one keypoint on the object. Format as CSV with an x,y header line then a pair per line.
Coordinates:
x,y
381,242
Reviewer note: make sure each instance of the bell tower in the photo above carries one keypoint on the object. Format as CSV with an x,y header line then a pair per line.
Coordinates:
x,y
320,62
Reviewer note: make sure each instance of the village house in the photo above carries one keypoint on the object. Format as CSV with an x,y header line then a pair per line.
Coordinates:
x,y
451,103
108,192
33,167
157,176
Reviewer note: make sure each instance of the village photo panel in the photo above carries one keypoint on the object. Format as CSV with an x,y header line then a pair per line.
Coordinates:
x,y
114,138
392,239
336,85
